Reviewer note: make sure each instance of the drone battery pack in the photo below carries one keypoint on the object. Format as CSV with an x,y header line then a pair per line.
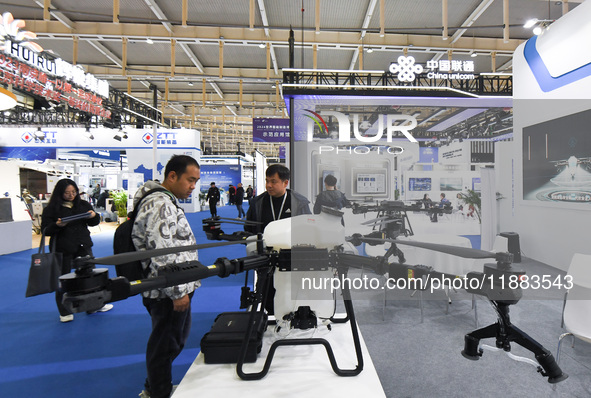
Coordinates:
x,y
222,343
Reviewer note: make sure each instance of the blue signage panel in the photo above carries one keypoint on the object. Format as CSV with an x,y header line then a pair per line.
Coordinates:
x,y
428,155
27,153
222,174
270,130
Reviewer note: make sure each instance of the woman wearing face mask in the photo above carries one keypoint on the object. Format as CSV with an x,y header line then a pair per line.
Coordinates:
x,y
73,237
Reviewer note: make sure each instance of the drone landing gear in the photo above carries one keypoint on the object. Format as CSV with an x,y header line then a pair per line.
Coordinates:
x,y
295,342
505,333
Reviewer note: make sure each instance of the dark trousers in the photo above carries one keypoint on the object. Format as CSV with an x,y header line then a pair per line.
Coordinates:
x,y
67,259
212,208
170,330
241,212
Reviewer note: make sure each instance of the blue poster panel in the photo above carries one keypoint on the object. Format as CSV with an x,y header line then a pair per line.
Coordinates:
x,y
428,154
27,153
223,175
270,130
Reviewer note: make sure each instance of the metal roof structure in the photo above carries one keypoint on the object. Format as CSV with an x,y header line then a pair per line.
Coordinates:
x,y
217,64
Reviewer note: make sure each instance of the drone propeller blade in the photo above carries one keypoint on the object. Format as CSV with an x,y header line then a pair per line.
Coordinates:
x,y
123,258
248,222
464,252
373,220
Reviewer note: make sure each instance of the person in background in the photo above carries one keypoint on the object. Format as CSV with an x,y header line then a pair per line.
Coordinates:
x,y
161,223
72,238
330,197
276,203
231,194
443,202
249,192
427,202
239,200
213,196
96,193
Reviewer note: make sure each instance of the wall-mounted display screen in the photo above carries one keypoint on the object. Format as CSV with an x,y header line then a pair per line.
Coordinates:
x,y
450,184
370,183
419,184
476,184
556,160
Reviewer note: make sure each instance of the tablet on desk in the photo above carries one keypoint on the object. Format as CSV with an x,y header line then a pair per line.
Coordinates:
x,y
80,216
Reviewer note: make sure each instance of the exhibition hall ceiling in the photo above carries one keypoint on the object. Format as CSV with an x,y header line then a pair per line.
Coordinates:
x,y
216,64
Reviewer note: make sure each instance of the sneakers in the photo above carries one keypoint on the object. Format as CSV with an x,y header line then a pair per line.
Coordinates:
x,y
145,394
66,318
104,308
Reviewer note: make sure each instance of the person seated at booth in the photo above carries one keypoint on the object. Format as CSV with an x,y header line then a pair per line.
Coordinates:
x,y
444,204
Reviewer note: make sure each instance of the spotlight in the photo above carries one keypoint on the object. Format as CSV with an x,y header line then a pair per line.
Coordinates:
x,y
538,30
190,84
369,50
262,45
39,135
474,55
88,133
149,41
530,23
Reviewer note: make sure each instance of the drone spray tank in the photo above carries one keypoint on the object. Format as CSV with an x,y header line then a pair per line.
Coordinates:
x,y
303,275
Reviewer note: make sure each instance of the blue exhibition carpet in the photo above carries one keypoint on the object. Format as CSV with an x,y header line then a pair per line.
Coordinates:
x,y
100,355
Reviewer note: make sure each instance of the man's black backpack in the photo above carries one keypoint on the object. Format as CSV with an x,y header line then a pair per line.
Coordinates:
x,y
122,243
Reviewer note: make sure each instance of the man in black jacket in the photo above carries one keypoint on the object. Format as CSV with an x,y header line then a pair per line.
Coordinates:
x,y
239,200
330,197
276,203
213,195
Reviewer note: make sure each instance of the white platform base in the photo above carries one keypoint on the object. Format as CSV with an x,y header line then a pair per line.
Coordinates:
x,y
296,371
16,236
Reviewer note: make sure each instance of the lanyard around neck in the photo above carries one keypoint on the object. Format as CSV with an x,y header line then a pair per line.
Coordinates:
x,y
273,208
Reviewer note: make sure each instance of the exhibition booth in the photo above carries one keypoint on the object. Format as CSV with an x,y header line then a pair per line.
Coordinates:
x,y
525,157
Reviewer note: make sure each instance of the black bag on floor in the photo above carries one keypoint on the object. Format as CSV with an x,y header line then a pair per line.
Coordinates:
x,y
222,343
45,270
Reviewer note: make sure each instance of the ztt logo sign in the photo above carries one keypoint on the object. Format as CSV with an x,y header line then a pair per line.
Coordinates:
x,y
148,138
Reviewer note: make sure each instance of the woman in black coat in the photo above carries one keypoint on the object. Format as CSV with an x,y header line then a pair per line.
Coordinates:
x,y
72,238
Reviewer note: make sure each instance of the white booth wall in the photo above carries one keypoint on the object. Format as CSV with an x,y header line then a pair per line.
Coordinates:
x,y
549,231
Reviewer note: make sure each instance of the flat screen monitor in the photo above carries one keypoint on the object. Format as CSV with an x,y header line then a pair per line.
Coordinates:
x,y
419,184
450,184
370,183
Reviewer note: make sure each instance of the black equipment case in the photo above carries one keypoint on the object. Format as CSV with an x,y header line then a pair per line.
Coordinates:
x,y
222,343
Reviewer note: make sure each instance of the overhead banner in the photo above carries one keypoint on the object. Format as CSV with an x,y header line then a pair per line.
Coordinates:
x,y
25,66
270,130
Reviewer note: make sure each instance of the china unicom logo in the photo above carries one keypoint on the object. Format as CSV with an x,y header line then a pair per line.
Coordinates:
x,y
406,68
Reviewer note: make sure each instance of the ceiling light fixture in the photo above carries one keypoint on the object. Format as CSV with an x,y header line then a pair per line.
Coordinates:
x,y
474,55
149,41
539,25
88,133
262,45
190,84
530,23
369,50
